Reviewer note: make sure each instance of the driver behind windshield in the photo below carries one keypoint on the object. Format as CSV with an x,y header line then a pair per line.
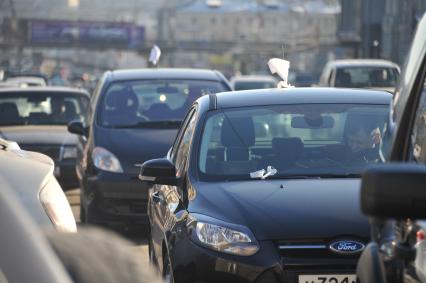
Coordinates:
x,y
363,143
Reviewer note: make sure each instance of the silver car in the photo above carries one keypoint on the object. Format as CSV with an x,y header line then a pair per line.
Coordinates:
x,y
30,176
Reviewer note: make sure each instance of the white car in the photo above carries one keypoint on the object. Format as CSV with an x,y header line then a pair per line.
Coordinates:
x,y
360,73
30,176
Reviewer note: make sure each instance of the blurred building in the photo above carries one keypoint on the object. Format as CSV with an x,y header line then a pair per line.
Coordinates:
x,y
380,28
398,26
240,28
23,49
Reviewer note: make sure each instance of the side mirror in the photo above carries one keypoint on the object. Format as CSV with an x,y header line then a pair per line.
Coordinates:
x,y
158,171
394,191
76,127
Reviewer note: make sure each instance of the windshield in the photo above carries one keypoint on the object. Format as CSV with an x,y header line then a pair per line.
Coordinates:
x,y
42,108
313,140
135,103
366,77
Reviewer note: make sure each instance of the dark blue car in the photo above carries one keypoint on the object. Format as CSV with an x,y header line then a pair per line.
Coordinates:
x,y
263,186
134,116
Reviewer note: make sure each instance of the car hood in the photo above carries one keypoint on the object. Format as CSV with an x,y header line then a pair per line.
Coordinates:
x,y
286,209
39,134
135,146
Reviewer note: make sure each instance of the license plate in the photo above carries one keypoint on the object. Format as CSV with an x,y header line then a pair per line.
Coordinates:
x,y
328,278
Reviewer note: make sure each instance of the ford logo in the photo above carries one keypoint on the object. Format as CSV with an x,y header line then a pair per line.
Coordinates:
x,y
347,247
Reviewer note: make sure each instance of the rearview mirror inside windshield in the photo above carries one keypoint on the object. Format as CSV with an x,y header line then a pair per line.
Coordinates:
x,y
321,122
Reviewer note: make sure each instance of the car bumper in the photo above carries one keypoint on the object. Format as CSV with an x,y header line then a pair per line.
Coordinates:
x,y
115,200
193,263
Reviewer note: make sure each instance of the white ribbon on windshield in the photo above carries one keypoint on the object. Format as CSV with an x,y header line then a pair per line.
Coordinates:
x,y
263,174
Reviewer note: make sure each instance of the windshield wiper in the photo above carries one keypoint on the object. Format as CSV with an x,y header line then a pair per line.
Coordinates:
x,y
296,177
151,125
340,175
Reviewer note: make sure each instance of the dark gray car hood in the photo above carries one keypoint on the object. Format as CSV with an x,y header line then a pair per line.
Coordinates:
x,y
135,146
302,209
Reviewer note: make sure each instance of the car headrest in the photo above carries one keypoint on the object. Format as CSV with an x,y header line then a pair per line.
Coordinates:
x,y
159,111
10,108
238,132
343,79
70,109
9,114
122,100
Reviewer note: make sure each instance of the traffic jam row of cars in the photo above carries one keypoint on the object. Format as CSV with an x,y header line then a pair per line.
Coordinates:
x,y
264,185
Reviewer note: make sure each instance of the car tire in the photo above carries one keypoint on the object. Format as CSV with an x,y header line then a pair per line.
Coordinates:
x,y
167,269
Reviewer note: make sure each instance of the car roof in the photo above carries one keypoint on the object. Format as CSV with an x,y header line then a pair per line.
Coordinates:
x,y
362,62
306,95
47,89
165,73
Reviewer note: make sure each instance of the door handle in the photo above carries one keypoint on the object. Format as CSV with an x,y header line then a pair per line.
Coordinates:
x,y
156,197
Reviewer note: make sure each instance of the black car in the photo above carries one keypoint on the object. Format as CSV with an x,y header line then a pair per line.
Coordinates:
x,y
37,119
397,190
134,116
263,186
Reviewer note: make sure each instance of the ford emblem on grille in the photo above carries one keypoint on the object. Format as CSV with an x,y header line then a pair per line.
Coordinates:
x,y
347,247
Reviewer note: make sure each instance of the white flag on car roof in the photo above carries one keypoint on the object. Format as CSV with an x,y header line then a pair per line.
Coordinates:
x,y
155,54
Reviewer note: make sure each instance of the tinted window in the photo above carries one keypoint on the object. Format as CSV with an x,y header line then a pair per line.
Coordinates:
x,y
303,139
366,77
133,102
184,145
42,108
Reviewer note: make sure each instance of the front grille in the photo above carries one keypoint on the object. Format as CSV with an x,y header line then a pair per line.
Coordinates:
x,y
125,206
53,151
317,252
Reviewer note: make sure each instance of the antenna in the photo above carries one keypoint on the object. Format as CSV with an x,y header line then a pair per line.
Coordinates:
x,y
282,48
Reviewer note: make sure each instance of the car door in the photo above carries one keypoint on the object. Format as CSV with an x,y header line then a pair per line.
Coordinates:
x,y
164,199
409,136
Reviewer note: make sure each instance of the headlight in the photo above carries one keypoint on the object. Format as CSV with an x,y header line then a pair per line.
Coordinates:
x,y
57,207
69,152
223,237
105,160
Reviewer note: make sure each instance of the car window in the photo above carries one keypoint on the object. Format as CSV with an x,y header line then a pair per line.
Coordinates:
x,y
180,134
183,147
42,108
418,135
133,102
305,139
366,77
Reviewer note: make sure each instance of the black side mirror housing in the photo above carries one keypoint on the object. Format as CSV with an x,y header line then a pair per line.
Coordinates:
x,y
76,127
158,171
394,191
